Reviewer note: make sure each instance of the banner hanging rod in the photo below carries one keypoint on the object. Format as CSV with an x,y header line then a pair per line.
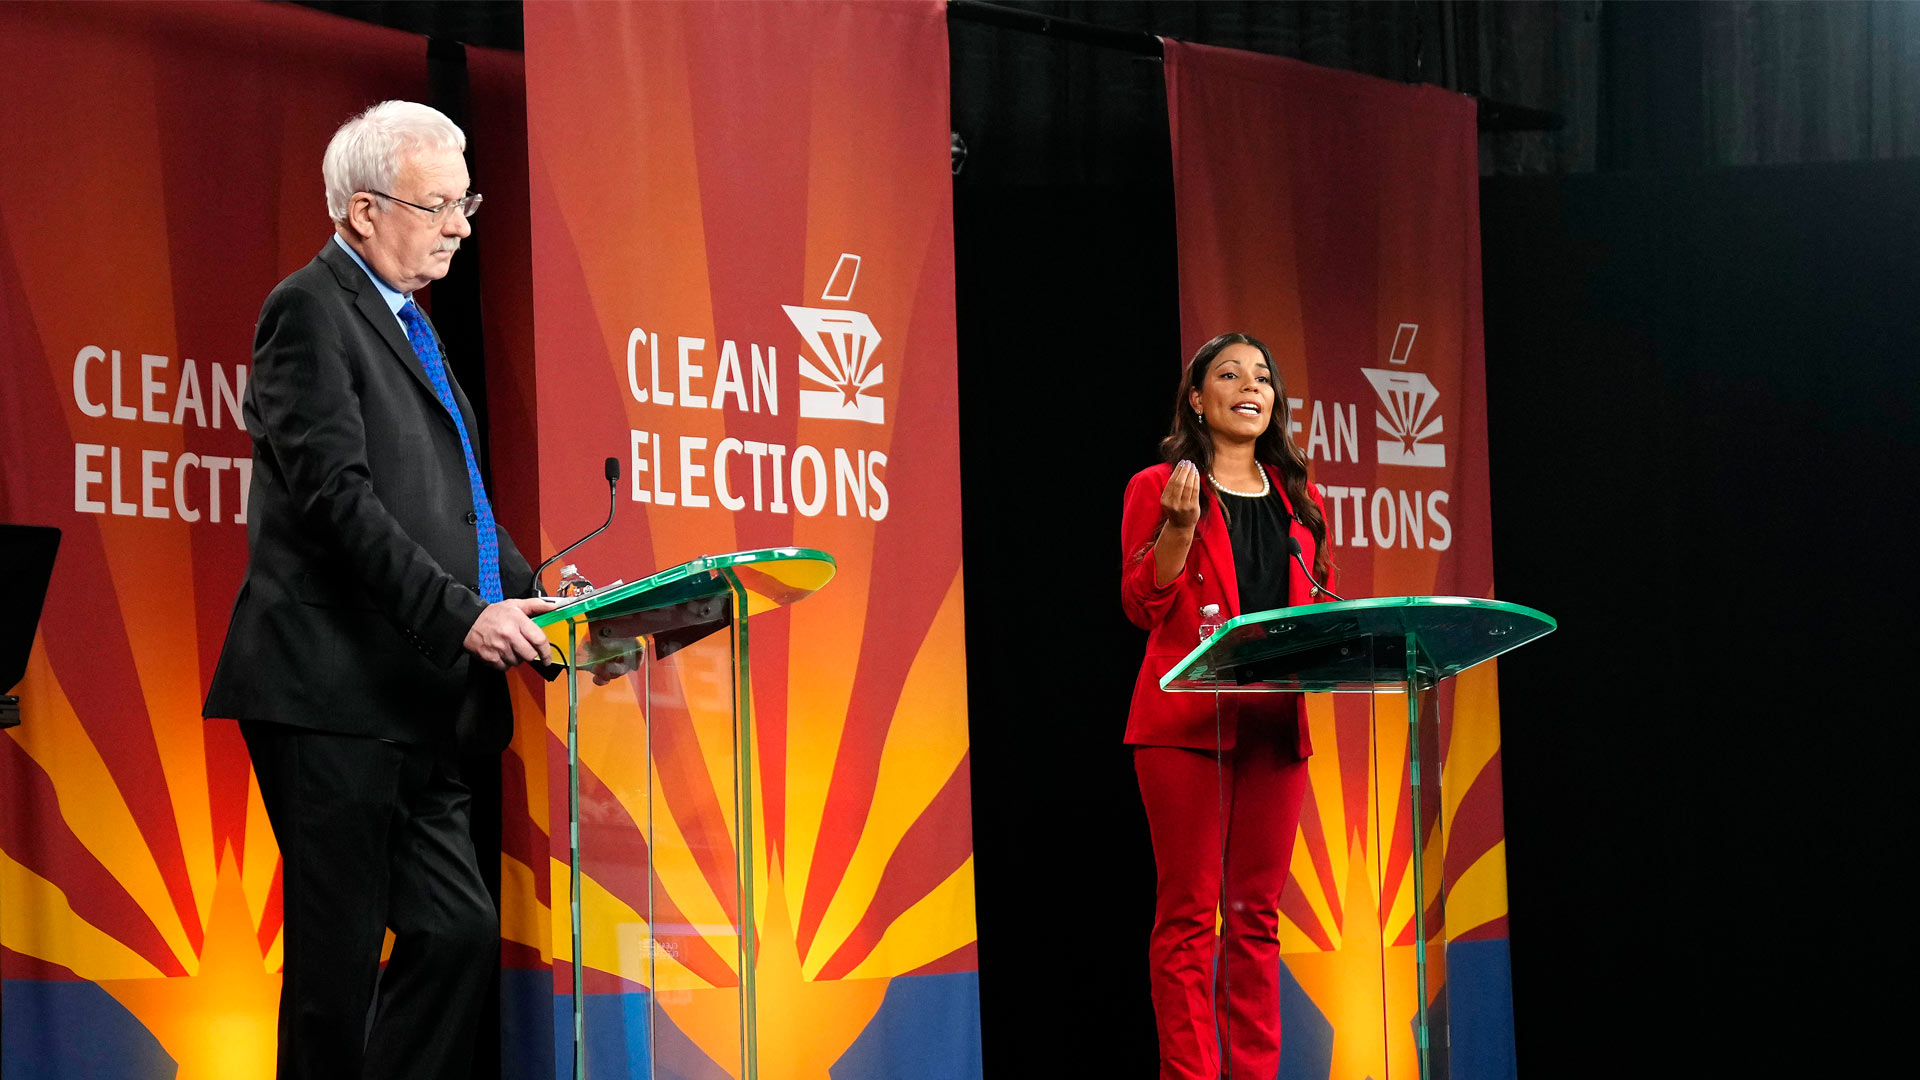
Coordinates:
x,y
1032,22
1493,115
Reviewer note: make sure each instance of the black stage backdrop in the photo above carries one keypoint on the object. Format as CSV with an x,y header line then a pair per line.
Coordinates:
x,y
1069,335
1702,397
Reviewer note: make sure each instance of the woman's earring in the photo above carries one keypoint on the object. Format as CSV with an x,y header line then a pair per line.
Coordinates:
x,y
1201,417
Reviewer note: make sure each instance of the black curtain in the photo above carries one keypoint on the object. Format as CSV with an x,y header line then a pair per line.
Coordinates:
x,y
1069,351
1702,411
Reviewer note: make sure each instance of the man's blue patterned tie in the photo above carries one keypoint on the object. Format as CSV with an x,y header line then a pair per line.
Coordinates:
x,y
427,347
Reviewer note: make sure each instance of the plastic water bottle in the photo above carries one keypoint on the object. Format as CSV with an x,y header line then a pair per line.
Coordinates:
x,y
1210,621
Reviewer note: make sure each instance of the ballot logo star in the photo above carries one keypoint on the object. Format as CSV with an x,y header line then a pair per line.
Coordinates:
x,y
843,381
1407,418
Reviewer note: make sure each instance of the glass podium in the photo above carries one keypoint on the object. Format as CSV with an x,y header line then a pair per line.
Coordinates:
x,y
660,810
1401,645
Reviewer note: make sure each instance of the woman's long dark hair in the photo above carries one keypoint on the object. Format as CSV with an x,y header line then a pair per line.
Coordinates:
x,y
1188,440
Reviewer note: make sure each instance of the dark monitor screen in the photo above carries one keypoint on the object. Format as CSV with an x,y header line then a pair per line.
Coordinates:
x,y
26,555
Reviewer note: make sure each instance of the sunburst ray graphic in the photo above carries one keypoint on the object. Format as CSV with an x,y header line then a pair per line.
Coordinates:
x,y
660,838
219,1023
89,894
1409,421
1347,919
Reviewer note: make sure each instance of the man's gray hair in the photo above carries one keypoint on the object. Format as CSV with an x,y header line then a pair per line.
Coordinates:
x,y
368,150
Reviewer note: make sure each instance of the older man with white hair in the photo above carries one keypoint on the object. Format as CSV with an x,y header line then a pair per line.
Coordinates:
x,y
366,647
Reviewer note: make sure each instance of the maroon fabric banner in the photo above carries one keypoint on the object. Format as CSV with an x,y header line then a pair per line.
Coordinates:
x,y
1335,217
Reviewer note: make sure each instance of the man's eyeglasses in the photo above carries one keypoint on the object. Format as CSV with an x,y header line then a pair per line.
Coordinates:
x,y
466,206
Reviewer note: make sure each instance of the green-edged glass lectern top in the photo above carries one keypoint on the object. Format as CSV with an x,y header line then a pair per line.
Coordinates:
x,y
1356,645
691,594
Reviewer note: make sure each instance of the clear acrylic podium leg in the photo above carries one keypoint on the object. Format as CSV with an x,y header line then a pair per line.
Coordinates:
x,y
660,844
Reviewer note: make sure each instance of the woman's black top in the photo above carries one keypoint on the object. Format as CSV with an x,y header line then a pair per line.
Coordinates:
x,y
1258,528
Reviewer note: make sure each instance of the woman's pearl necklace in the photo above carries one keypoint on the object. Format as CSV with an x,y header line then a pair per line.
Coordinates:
x,y
1266,486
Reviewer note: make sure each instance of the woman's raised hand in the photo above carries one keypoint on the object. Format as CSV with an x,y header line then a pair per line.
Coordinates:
x,y
1180,499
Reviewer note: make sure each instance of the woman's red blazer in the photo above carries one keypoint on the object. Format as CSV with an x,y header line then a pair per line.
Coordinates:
x,y
1170,614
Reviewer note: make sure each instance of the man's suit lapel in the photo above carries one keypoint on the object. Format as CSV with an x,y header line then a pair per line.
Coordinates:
x,y
459,395
368,302
453,384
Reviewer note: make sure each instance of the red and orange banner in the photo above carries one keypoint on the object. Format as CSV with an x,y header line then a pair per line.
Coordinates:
x,y
1336,217
159,173
743,285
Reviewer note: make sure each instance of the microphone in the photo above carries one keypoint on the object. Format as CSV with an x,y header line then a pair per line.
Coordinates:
x,y
1293,548
613,500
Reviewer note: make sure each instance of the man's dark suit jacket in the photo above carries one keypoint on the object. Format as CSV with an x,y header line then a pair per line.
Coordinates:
x,y
363,564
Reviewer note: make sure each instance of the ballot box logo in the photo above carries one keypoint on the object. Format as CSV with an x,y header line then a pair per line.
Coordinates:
x,y
1407,418
842,380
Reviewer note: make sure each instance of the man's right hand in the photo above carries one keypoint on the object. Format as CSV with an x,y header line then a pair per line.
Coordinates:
x,y
504,635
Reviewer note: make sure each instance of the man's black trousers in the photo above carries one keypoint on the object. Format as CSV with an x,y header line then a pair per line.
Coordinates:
x,y
374,834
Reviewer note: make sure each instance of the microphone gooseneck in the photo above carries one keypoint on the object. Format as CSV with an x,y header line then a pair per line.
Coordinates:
x,y
1293,548
613,501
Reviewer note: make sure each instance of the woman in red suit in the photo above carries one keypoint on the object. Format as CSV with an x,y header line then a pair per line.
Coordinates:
x,y
1210,529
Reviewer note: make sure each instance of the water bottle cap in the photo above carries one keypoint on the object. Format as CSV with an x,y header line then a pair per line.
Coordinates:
x,y
1208,611
569,570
